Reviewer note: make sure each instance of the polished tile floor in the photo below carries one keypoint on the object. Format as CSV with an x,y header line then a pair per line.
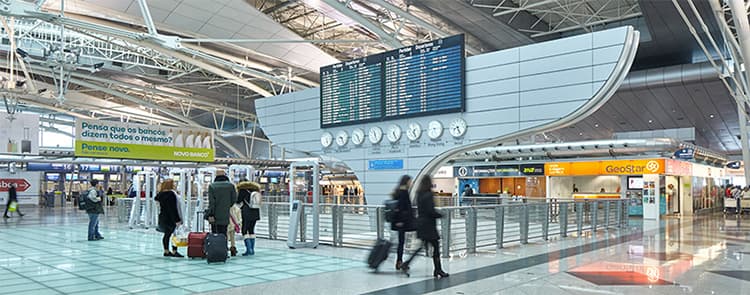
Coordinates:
x,y
38,256
707,254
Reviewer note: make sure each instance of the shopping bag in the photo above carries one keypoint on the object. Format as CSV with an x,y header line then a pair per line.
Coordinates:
x,y
180,236
13,206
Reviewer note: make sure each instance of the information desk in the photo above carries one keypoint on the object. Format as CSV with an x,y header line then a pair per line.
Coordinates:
x,y
596,195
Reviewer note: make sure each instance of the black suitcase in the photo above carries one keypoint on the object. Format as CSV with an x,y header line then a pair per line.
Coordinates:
x,y
216,248
379,253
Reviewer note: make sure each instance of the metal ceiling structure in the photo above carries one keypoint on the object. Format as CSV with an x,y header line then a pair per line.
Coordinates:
x,y
182,62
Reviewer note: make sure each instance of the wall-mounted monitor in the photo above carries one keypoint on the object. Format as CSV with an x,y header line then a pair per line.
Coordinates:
x,y
274,180
52,176
114,177
97,176
635,182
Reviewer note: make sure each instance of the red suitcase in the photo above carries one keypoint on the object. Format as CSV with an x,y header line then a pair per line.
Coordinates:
x,y
196,243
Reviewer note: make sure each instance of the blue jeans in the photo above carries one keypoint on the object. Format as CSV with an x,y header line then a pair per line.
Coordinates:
x,y
94,226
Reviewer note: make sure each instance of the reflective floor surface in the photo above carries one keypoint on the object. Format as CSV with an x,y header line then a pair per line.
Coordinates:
x,y
692,255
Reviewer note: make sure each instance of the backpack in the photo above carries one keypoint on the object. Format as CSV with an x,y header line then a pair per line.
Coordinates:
x,y
83,200
391,208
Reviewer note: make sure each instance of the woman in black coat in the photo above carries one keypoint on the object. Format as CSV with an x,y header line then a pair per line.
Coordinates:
x,y
427,226
169,215
404,220
249,200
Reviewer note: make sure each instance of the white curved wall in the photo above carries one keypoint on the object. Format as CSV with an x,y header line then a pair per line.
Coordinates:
x,y
506,91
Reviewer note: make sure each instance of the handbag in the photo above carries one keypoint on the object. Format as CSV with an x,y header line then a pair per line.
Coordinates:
x,y
236,224
180,236
13,206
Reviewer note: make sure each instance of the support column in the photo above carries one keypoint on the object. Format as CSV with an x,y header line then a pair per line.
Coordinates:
x,y
739,16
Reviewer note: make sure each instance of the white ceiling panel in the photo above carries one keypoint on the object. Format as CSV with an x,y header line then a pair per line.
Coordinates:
x,y
186,24
168,5
216,32
212,6
225,23
193,12
157,14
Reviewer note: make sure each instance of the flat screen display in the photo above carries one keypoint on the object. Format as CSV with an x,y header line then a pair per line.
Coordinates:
x,y
274,180
53,176
635,183
97,176
417,80
264,180
114,177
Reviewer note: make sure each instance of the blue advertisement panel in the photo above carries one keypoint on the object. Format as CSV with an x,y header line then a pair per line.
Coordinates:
x,y
396,164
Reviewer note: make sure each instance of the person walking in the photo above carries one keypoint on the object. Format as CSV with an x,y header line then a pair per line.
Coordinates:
x,y
221,196
404,220
169,215
94,209
427,227
249,199
12,197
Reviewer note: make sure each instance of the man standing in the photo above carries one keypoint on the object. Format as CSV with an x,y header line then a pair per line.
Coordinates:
x,y
221,196
12,197
93,209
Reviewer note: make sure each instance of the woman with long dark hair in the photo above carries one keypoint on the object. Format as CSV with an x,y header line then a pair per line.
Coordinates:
x,y
404,216
169,216
427,226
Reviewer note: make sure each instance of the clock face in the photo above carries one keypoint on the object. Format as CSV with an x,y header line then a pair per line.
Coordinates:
x,y
394,133
358,136
375,135
435,129
342,138
458,127
413,131
326,139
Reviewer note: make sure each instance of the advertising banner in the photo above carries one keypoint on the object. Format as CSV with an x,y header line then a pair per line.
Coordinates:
x,y
613,167
117,140
21,135
28,186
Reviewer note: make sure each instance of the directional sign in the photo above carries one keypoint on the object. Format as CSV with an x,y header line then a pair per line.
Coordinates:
x,y
22,184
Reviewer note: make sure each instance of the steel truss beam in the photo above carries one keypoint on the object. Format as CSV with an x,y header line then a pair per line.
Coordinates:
x,y
557,16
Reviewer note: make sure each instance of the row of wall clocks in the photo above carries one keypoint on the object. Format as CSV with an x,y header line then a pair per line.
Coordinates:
x,y
457,128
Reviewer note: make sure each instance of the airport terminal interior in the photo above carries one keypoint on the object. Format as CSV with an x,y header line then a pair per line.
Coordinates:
x,y
374,147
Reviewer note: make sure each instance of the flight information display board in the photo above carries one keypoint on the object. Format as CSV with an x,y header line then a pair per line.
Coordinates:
x,y
351,91
422,79
425,78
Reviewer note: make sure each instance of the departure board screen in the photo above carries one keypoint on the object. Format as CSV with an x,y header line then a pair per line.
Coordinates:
x,y
351,91
421,79
425,78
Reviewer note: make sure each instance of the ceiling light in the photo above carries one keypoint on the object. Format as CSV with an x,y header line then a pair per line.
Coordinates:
x,y
650,121
580,133
596,125
711,116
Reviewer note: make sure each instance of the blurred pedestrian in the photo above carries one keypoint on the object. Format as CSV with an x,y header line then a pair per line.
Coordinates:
x,y
427,226
404,220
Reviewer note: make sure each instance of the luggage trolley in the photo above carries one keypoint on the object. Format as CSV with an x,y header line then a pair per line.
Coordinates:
x,y
143,212
296,212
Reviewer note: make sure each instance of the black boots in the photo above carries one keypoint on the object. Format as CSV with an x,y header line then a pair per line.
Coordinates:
x,y
438,273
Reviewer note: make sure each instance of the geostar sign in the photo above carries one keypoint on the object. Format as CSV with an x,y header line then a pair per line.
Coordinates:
x,y
22,184
615,167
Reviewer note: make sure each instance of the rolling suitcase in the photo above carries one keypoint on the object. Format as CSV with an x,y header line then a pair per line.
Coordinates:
x,y
379,253
196,244
216,248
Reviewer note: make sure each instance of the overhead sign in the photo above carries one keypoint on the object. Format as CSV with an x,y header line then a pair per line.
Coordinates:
x,y
105,139
685,154
499,170
21,184
678,168
615,167
385,164
20,135
49,167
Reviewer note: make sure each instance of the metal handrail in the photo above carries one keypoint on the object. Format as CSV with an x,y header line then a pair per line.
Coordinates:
x,y
462,228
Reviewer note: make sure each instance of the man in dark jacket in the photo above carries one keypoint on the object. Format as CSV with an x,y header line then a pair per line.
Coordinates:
x,y
12,197
221,196
93,209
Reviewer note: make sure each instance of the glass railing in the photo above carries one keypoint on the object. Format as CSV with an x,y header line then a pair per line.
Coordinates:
x,y
468,229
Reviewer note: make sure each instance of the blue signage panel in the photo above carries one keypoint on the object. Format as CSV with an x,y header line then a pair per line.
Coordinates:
x,y
385,164
49,167
685,154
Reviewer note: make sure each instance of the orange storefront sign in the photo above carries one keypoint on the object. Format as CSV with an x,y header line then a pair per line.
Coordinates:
x,y
615,167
